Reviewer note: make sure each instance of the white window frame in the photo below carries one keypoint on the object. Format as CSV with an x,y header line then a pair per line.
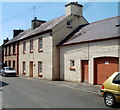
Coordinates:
x,y
31,45
40,67
40,44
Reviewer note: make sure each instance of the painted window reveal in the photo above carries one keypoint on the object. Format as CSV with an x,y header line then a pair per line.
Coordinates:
x,y
31,46
24,68
24,46
40,44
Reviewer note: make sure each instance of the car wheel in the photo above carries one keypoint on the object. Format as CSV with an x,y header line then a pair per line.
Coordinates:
x,y
109,100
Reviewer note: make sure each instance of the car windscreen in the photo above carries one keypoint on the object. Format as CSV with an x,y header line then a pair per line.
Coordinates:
x,y
9,69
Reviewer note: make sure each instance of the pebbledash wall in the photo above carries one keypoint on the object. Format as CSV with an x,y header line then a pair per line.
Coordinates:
x,y
50,54
86,51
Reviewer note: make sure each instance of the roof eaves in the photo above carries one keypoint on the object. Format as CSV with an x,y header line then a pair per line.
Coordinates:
x,y
43,32
90,41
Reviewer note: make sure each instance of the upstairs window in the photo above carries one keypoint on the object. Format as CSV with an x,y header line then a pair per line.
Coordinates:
x,y
9,49
6,50
14,49
31,46
69,24
24,46
40,44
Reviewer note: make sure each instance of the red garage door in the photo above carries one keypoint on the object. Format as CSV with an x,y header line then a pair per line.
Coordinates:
x,y
103,68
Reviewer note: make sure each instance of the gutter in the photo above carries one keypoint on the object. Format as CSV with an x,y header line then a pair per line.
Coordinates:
x,y
34,35
90,41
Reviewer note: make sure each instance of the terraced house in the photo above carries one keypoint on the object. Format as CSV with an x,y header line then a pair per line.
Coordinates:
x,y
67,48
35,49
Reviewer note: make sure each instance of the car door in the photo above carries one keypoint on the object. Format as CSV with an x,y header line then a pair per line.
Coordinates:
x,y
116,85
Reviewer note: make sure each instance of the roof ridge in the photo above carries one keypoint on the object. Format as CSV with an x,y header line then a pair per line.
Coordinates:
x,y
104,19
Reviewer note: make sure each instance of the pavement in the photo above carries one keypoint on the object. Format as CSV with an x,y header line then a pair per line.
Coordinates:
x,y
75,85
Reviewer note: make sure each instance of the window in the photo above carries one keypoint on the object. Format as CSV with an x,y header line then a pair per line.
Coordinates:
x,y
24,46
39,67
14,49
14,64
6,62
31,46
9,49
6,50
40,44
72,65
69,23
24,68
9,63
117,79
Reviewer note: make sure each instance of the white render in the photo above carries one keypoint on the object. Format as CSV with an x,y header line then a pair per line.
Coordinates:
x,y
86,51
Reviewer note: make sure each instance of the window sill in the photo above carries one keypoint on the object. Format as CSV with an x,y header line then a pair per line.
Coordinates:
x,y
40,75
69,26
31,51
73,69
14,54
24,73
40,50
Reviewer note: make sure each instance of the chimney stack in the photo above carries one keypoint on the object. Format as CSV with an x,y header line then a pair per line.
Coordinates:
x,y
73,8
36,23
5,40
16,32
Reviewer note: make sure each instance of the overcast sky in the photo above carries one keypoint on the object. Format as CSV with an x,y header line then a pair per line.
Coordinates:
x,y
18,15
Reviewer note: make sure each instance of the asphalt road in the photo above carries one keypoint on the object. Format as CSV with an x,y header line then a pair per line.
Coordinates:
x,y
20,92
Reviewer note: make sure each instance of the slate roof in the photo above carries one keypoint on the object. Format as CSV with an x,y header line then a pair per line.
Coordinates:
x,y
42,28
99,30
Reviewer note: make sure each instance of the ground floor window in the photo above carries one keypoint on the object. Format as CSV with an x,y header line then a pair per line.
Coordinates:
x,y
6,62
24,68
72,65
9,63
14,64
40,68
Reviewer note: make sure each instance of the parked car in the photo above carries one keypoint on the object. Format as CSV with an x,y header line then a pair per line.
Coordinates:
x,y
111,90
8,71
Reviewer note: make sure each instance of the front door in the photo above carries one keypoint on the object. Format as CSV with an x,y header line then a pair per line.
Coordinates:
x,y
84,71
31,69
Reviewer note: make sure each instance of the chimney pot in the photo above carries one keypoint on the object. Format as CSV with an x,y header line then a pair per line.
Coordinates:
x,y
36,23
16,32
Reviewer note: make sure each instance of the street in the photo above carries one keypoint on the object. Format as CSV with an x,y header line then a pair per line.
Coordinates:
x,y
23,92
